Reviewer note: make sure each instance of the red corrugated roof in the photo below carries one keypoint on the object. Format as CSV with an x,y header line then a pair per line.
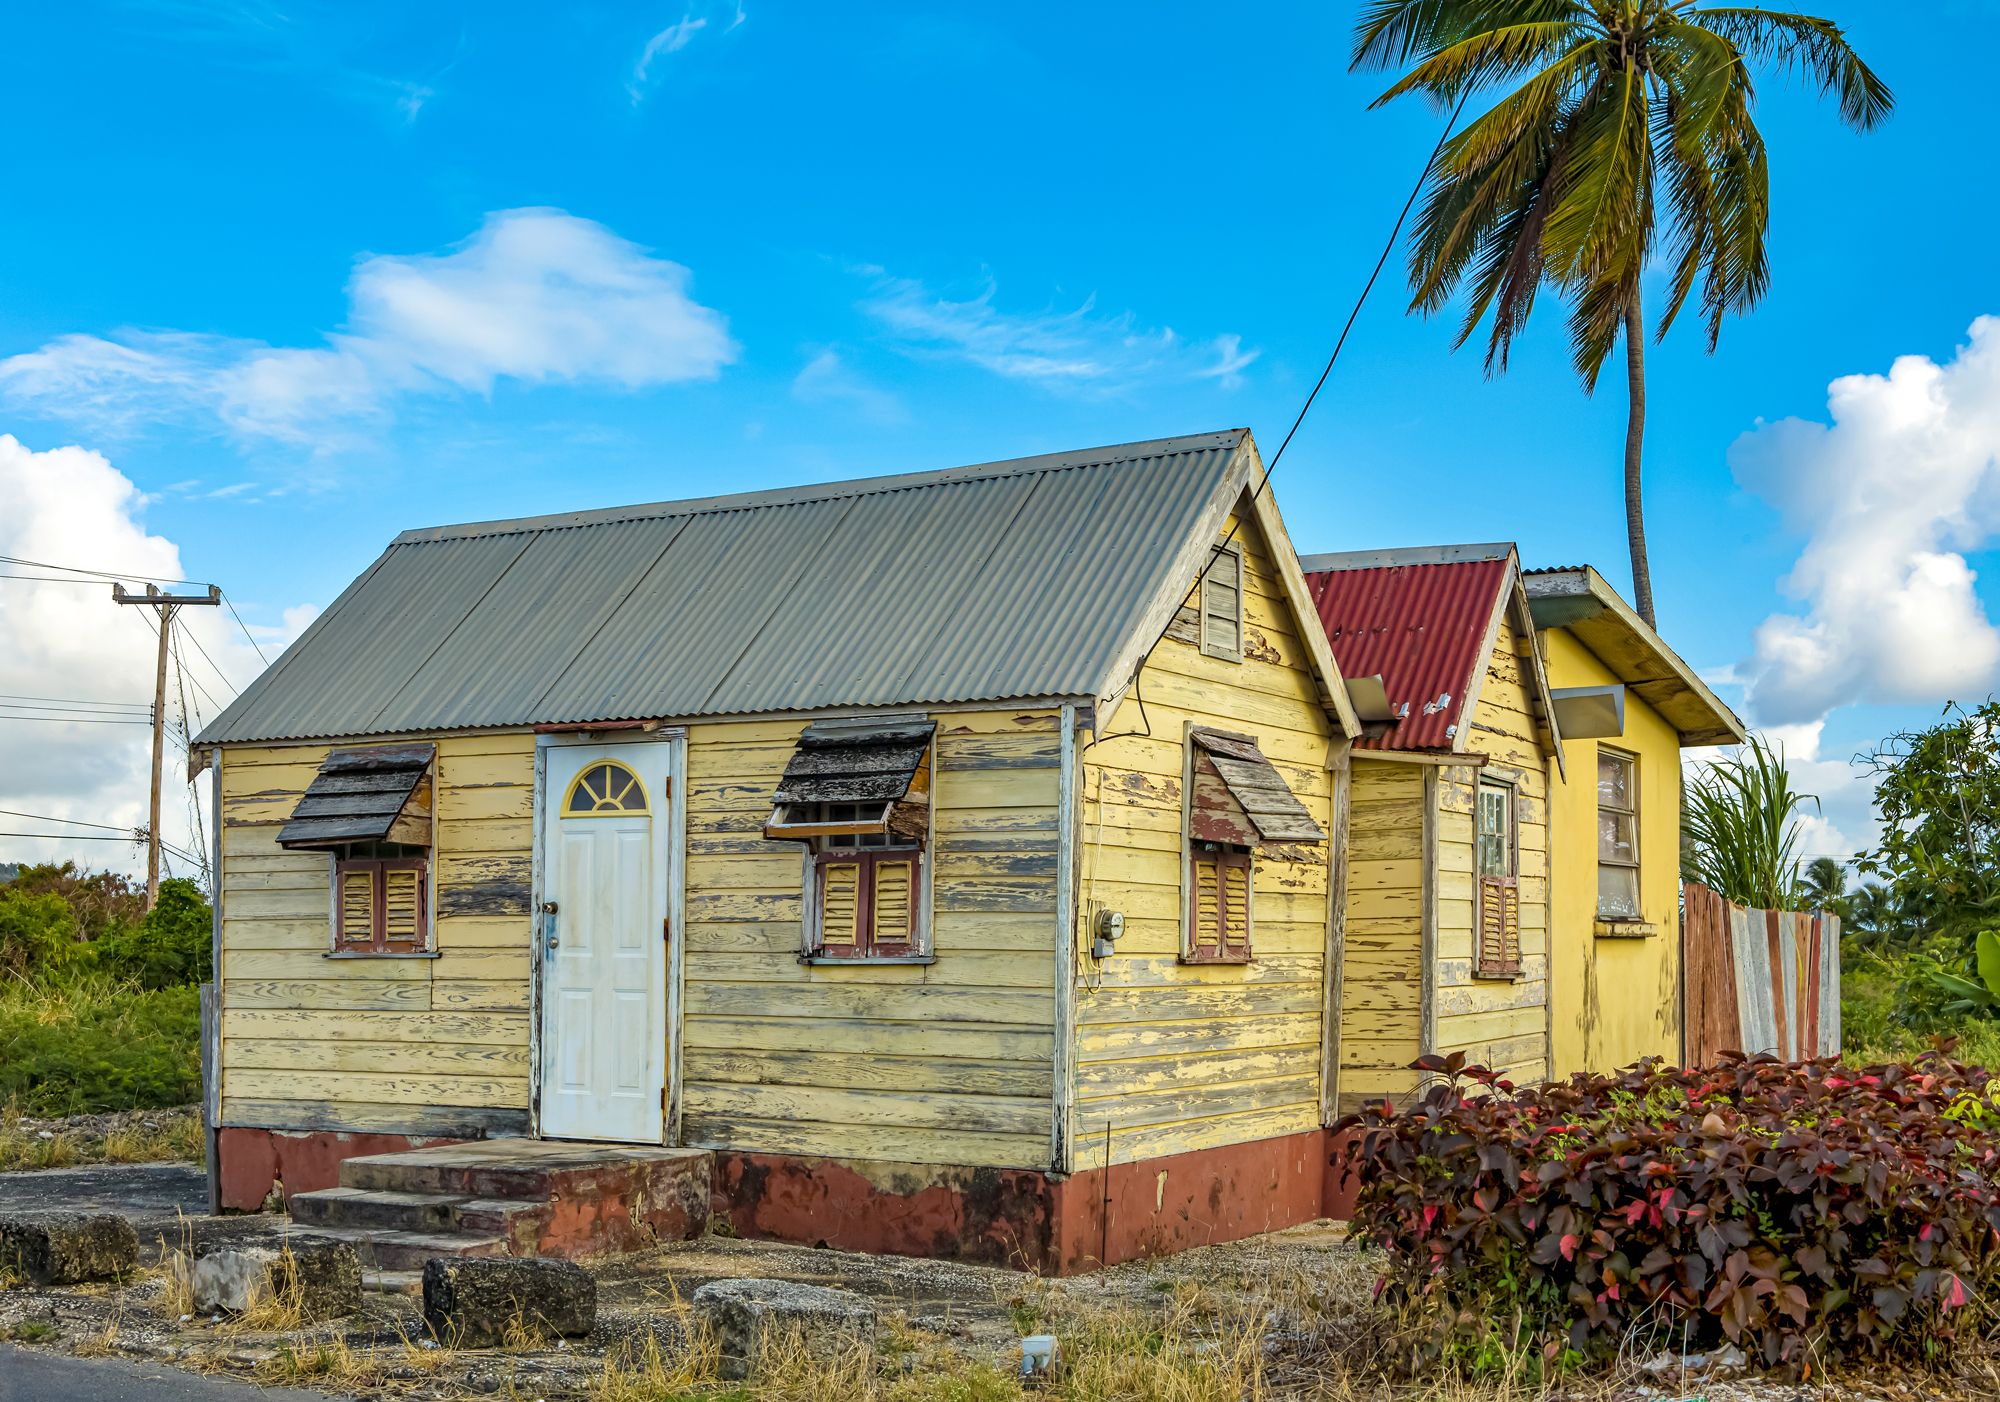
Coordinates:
x,y
1420,627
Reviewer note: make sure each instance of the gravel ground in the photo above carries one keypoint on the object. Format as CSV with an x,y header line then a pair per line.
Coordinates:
x,y
1315,1290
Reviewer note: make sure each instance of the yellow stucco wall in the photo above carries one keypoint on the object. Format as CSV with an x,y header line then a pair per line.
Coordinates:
x,y
1174,1056
1618,998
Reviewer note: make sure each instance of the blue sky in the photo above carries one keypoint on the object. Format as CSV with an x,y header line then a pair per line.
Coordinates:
x,y
771,243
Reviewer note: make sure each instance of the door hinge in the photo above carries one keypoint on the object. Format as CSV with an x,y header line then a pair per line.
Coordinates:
x,y
667,929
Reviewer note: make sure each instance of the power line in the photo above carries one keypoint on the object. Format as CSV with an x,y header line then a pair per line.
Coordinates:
x,y
71,701
247,636
101,574
1271,468
81,709
79,720
72,837
51,818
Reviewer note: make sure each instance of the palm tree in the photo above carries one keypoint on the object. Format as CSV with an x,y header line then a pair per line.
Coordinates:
x,y
1628,105
1825,880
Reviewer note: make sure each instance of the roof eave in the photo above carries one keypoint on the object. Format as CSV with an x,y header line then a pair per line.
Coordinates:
x,y
1582,601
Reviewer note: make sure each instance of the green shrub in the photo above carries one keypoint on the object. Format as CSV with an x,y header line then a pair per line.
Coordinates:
x,y
37,933
98,1045
1808,1212
170,947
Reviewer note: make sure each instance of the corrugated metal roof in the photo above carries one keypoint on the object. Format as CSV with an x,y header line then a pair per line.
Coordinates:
x,y
1009,579
1419,625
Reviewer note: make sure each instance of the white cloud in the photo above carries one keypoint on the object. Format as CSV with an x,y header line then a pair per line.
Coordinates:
x,y
68,643
536,295
1078,350
828,379
1890,494
672,40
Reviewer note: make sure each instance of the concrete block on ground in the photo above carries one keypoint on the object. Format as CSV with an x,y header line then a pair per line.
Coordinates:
x,y
68,1248
747,1316
489,1301
324,1277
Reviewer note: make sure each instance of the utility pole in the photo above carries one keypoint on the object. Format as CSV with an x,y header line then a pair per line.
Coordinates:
x,y
167,605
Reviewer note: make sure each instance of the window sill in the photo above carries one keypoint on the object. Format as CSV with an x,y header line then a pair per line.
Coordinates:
x,y
1209,961
1609,927
382,954
1510,976
847,961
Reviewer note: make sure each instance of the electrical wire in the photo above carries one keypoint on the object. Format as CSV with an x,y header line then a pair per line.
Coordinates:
x,y
247,635
79,720
6,697
101,574
51,818
1271,468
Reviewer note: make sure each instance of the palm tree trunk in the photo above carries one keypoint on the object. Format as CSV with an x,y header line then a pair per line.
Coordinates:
x,y
1635,433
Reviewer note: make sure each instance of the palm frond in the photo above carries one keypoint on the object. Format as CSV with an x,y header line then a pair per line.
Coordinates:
x,y
1491,56
1391,33
1604,195
1817,47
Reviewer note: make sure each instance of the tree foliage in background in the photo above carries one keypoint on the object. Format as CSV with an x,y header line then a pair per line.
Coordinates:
x,y
1740,829
1630,128
1937,793
98,1009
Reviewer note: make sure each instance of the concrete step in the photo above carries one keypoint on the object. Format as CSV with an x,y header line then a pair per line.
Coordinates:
x,y
381,1209
407,1251
543,1197
393,1282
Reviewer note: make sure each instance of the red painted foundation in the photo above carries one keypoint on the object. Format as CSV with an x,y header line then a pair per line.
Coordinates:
x,y
251,1162
1027,1219
1021,1218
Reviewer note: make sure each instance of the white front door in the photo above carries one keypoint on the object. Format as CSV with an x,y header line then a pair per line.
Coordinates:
x,y
605,851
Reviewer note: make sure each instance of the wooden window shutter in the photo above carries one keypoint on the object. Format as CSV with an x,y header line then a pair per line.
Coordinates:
x,y
382,905
869,901
1218,906
840,903
355,889
1499,927
403,905
893,918
1236,909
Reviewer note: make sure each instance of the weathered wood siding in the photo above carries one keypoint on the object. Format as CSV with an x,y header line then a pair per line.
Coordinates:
x,y
1617,998
432,1046
1500,1023
1171,1056
1381,1004
949,1062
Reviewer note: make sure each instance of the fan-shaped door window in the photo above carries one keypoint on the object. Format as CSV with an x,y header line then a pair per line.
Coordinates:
x,y
606,789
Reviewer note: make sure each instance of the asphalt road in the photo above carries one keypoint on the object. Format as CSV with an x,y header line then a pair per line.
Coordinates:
x,y
30,1376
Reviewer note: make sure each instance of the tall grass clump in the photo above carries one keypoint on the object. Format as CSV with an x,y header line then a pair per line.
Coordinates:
x,y
1740,828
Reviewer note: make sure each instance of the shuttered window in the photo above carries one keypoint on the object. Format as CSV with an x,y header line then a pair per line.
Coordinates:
x,y
868,901
381,904
1499,897
1221,621
1218,918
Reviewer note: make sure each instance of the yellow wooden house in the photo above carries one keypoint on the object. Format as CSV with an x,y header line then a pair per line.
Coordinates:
x,y
954,858
1447,906
1627,706
1513,862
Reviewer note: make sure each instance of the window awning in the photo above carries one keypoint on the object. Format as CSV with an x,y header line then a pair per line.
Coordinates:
x,y
372,793
1238,797
850,776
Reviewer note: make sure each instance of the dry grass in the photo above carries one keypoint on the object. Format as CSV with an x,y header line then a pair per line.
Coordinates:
x,y
320,1358
152,1136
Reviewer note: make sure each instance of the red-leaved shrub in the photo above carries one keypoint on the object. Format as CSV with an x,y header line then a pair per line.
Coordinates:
x,y
1804,1211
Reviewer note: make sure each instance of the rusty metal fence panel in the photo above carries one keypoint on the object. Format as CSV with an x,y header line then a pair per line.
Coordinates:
x,y
1759,980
